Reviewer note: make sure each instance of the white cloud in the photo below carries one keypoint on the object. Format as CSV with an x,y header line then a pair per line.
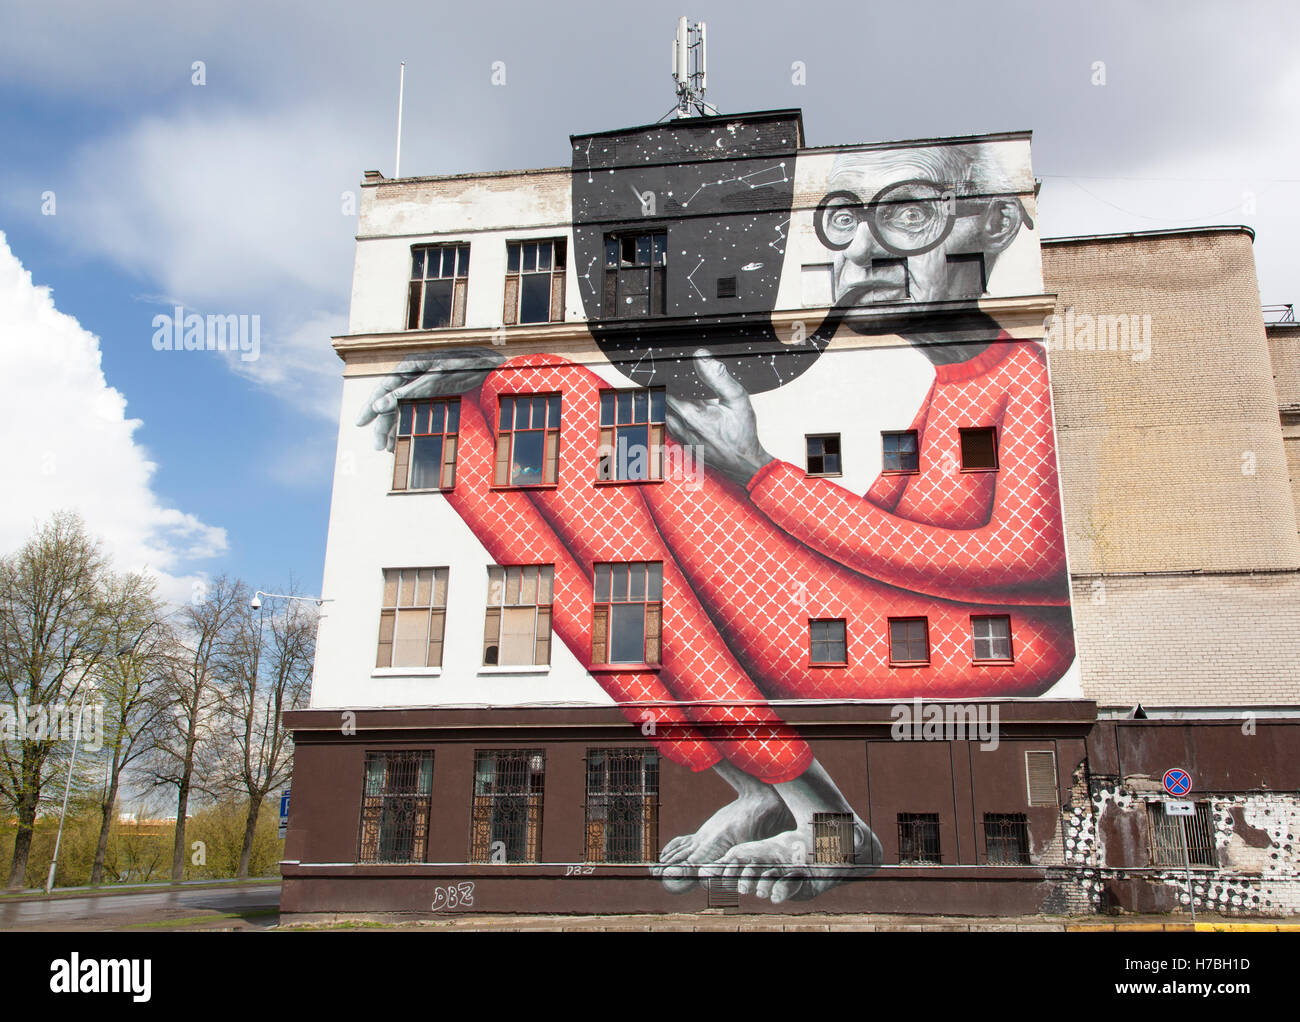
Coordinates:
x,y
68,443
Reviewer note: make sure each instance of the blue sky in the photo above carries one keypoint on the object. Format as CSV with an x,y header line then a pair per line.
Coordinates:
x,y
227,197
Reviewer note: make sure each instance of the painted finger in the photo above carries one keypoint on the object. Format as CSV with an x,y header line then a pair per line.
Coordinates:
x,y
718,379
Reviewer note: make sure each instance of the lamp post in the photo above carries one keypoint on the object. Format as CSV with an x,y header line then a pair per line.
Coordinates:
x,y
67,786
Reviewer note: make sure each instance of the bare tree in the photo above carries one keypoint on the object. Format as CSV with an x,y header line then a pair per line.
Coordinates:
x,y
53,634
267,670
189,730
130,686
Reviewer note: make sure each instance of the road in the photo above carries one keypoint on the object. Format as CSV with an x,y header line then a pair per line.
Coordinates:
x,y
241,908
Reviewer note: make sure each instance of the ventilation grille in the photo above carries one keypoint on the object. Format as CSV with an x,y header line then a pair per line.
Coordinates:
x,y
727,287
723,893
1040,769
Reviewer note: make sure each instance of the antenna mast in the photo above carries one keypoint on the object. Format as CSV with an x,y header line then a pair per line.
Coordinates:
x,y
401,91
689,69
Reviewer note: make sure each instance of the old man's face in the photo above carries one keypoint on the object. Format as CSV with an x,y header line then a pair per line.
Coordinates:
x,y
914,225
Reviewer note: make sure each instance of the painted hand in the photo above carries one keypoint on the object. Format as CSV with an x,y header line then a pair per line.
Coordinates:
x,y
431,374
724,427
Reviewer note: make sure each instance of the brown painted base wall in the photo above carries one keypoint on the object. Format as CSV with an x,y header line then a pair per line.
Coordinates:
x,y
882,777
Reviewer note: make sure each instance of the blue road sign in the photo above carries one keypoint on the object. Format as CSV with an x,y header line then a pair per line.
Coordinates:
x,y
1177,781
284,806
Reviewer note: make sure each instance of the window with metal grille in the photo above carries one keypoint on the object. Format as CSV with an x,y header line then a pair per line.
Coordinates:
x,y
1006,839
517,629
631,435
425,453
833,838
966,274
534,281
899,452
528,440
1040,774
979,449
909,641
827,642
918,838
412,619
439,280
1170,835
395,799
824,455
628,613
507,811
622,805
991,637
635,275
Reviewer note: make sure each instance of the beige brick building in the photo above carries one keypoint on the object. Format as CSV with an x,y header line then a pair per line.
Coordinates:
x,y
1178,425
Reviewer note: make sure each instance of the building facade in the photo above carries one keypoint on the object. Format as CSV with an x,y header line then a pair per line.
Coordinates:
x,y
697,538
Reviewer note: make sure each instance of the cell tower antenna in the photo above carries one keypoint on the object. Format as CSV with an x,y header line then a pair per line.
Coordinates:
x,y
689,69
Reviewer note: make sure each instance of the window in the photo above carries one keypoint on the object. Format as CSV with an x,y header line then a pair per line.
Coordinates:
x,y
918,838
439,276
635,273
727,287
627,618
518,625
889,274
992,638
824,455
395,806
1171,834
425,457
411,622
622,805
827,644
631,435
966,275
900,452
815,283
528,440
833,838
1040,778
1006,839
909,641
979,449
534,281
507,812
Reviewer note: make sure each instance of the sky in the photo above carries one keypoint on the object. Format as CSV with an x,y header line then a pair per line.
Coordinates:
x,y
155,155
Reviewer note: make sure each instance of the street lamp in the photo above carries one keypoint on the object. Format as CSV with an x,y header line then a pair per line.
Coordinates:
x,y
67,786
256,604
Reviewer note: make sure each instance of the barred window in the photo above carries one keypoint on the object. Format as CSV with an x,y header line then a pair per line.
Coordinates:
x,y
827,642
833,838
439,279
411,622
528,440
899,452
635,275
395,806
1006,839
823,455
918,838
628,613
425,455
631,434
518,625
534,281
1171,834
979,449
991,637
622,805
909,641
507,813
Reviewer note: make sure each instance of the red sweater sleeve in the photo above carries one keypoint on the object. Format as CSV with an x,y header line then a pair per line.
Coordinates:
x,y
1018,556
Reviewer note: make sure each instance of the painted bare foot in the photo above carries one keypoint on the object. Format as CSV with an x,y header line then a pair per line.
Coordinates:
x,y
784,867
752,816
